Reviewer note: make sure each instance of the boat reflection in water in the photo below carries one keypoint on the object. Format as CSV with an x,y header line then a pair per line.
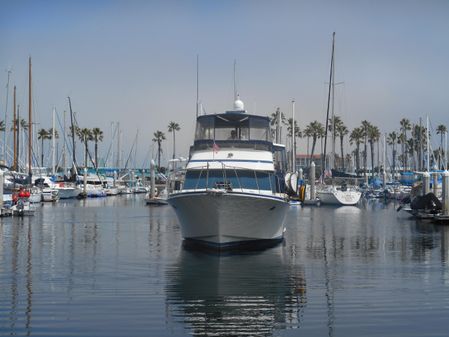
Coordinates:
x,y
235,295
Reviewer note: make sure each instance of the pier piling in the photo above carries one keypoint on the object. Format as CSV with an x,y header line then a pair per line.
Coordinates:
x,y
312,181
425,183
435,183
446,193
1,189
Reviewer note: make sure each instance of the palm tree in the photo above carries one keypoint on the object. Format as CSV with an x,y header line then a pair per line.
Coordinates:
x,y
365,126
373,137
42,135
159,136
2,126
405,126
356,138
441,130
85,135
404,143
315,130
392,139
341,131
298,134
97,136
173,127
277,119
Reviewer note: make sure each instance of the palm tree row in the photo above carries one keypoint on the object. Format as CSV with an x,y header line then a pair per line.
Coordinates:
x,y
43,135
159,137
412,139
87,135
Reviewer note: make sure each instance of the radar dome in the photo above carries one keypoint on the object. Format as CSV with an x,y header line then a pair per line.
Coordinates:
x,y
238,105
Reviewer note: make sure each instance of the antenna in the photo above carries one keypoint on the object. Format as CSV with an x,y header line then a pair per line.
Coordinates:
x,y
197,83
235,87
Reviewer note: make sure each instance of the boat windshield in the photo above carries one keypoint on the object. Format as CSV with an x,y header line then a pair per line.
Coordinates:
x,y
232,126
231,179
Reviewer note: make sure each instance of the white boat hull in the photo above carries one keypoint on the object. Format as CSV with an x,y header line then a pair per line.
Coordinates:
x,y
223,218
68,192
338,197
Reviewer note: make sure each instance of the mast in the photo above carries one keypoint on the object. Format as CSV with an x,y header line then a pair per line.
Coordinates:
x,y
332,158
14,163
63,147
53,145
18,137
197,83
6,115
235,87
329,98
293,138
428,143
30,124
73,140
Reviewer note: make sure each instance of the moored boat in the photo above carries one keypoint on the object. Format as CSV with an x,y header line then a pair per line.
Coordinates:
x,y
232,193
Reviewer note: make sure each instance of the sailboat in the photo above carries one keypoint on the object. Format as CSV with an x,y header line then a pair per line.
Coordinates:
x,y
332,194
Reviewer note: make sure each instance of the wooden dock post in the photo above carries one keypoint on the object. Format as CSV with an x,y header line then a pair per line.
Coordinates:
x,y
425,183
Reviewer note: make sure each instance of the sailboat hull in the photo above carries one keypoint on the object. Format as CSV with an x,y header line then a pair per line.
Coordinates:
x,y
338,197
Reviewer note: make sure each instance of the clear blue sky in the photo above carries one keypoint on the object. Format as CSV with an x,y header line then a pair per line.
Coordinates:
x,y
135,61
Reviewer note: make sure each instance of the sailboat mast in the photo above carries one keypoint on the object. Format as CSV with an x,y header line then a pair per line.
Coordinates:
x,y
329,98
332,158
63,148
6,115
30,123
14,120
73,137
293,138
53,146
428,143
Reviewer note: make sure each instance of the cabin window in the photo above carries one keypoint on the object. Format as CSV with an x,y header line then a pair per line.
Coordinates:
x,y
232,179
259,129
205,128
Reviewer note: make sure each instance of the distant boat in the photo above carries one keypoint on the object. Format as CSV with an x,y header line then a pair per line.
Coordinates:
x,y
159,199
231,194
338,195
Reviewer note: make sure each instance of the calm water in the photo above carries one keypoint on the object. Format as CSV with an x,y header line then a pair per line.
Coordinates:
x,y
115,267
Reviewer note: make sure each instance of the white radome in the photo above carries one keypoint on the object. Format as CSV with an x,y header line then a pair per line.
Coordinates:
x,y
238,105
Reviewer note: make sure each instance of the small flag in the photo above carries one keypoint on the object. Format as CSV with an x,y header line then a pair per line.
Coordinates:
x,y
215,147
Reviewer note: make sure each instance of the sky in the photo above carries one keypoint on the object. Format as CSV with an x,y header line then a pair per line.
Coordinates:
x,y
134,62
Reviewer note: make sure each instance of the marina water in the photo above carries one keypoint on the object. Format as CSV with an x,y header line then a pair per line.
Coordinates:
x,y
116,267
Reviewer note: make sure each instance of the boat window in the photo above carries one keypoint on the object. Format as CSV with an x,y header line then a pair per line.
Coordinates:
x,y
230,179
260,129
205,128
231,129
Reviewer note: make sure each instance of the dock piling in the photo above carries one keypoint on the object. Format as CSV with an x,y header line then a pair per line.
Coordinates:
x,y
425,183
1,189
312,181
445,193
435,183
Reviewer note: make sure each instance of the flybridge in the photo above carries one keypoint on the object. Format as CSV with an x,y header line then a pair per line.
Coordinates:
x,y
233,126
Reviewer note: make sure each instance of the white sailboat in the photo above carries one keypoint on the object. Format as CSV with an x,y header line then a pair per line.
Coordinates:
x,y
231,193
332,194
